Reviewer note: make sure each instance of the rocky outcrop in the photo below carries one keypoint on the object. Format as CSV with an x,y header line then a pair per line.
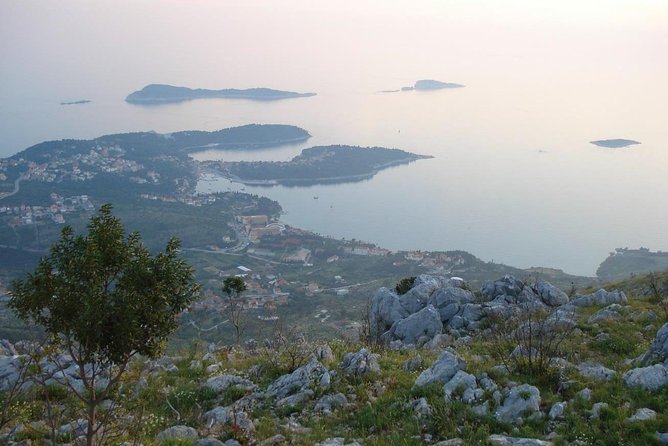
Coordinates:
x,y
177,433
360,363
228,416
658,350
425,323
221,383
442,370
550,294
503,440
600,298
596,371
522,401
310,376
650,378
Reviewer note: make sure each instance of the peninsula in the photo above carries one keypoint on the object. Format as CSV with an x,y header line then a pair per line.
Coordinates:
x,y
614,143
317,165
160,94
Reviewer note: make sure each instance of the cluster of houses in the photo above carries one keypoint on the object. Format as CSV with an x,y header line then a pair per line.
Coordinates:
x,y
61,206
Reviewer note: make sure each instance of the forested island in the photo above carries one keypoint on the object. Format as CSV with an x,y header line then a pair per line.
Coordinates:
x,y
430,84
614,143
315,165
160,93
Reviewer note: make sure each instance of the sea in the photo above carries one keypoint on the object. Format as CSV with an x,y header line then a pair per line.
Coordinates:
x,y
514,178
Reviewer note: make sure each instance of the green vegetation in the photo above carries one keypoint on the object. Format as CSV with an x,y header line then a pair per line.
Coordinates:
x,y
104,299
321,164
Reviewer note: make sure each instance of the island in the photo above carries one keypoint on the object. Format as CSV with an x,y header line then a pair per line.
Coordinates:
x,y
430,84
316,165
160,94
614,143
81,101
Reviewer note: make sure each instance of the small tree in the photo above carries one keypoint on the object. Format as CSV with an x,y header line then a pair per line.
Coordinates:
x,y
103,298
233,287
405,285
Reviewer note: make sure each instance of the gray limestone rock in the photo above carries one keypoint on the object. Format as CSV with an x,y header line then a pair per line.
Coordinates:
x,y
658,350
324,353
442,370
600,298
503,440
177,433
643,414
426,322
506,286
596,371
338,441
221,383
209,442
596,409
462,386
295,399
448,301
557,410
650,378
328,403
421,408
550,294
386,309
609,313
360,363
412,364
522,401
305,377
223,416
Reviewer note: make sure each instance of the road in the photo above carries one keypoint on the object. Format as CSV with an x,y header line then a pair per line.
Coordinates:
x,y
16,188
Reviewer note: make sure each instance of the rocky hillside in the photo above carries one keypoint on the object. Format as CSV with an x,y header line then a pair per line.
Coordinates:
x,y
512,363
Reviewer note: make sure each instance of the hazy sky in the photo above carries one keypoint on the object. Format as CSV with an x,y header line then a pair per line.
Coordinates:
x,y
47,47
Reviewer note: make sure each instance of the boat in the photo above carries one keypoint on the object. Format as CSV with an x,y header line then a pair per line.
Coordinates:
x,y
315,197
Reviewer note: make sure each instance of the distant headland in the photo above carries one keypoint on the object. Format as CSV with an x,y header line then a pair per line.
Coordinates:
x,y
82,101
614,143
160,94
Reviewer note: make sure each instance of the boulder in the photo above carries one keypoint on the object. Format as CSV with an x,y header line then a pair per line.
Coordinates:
x,y
596,371
557,410
550,294
308,376
650,378
177,433
448,301
600,298
442,370
7,348
209,442
506,286
643,414
338,441
324,353
412,364
227,416
609,313
522,401
328,403
360,363
221,383
503,440
463,385
421,408
596,410
10,367
295,399
386,309
658,350
426,322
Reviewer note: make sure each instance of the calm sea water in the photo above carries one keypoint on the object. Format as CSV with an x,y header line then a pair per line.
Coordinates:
x,y
514,178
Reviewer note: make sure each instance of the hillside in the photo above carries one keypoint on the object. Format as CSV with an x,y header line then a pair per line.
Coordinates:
x,y
447,372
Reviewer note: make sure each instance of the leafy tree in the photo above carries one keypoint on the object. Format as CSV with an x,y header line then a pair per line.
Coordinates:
x,y
233,287
405,285
103,299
